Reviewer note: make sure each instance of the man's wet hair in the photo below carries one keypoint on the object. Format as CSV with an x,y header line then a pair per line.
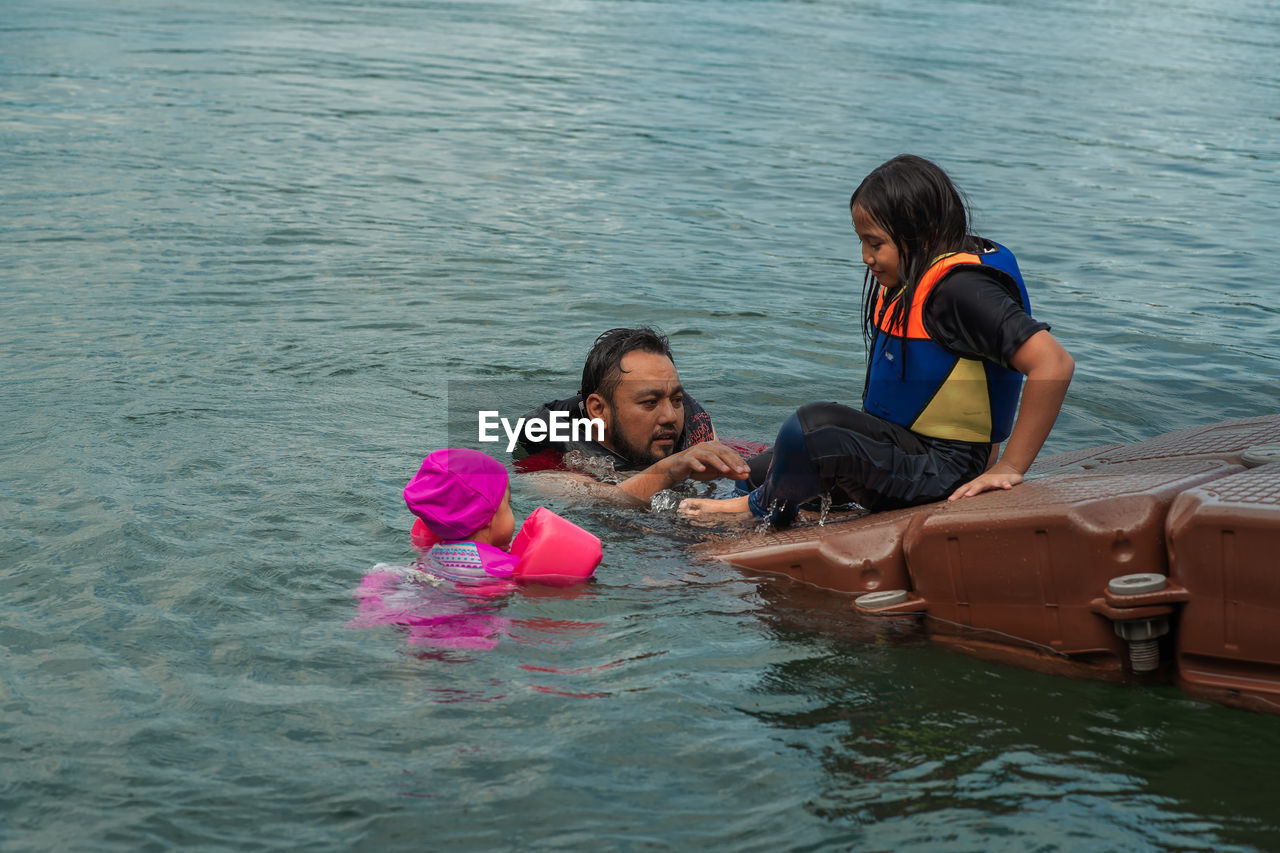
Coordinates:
x,y
603,371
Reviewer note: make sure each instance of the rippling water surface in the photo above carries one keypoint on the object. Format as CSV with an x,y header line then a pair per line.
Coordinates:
x,y
253,250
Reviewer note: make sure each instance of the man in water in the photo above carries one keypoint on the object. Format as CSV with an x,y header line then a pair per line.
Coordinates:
x,y
651,426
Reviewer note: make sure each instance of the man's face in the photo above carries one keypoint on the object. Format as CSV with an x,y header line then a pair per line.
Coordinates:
x,y
645,418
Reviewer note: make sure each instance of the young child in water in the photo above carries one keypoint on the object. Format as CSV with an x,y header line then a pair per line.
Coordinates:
x,y
949,340
464,498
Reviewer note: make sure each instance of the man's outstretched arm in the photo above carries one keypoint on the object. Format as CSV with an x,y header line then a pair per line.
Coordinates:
x,y
709,460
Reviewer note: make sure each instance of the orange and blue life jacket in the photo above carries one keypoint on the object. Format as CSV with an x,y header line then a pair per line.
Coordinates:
x,y
913,381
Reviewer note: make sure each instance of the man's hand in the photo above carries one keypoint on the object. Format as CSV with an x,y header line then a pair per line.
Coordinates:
x,y
709,460
706,461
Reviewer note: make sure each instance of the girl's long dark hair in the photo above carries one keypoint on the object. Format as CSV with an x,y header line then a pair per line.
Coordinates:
x,y
925,215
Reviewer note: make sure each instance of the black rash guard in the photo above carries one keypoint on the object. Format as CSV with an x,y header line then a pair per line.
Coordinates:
x,y
976,312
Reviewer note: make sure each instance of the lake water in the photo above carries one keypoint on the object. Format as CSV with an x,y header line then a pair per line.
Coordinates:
x,y
261,257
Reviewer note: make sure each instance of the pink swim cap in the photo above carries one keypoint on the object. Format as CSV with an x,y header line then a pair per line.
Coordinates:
x,y
456,492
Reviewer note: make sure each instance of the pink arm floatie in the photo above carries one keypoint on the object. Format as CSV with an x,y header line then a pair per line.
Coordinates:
x,y
551,549
554,550
421,536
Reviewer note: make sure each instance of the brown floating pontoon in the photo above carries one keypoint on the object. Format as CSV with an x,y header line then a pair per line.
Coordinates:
x,y
1151,561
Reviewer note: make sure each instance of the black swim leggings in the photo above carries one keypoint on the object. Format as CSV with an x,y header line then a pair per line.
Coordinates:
x,y
827,448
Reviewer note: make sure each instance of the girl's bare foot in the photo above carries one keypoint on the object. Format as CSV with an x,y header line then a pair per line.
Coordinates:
x,y
705,508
